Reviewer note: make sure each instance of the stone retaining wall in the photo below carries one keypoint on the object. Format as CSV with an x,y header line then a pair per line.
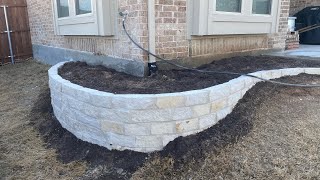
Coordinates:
x,y
147,123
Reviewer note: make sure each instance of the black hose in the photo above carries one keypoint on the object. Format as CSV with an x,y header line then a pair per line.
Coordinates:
x,y
206,71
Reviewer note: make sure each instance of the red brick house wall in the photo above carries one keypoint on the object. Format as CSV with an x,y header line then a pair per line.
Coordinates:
x,y
172,41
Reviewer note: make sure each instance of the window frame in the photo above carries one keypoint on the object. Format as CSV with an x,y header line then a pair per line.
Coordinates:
x,y
206,20
100,22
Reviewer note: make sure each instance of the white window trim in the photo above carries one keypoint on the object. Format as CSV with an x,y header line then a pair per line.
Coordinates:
x,y
205,20
100,22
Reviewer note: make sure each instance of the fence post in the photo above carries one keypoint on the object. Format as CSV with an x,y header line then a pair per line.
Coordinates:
x,y
8,32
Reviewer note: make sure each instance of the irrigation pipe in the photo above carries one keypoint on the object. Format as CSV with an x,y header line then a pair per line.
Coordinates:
x,y
125,15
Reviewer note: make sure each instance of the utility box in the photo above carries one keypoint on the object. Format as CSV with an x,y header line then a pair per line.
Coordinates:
x,y
308,17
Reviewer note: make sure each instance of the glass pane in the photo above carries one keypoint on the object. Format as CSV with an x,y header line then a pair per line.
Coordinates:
x,y
83,6
261,7
229,5
63,8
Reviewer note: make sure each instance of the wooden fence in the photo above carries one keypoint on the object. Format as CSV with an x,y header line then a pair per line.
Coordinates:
x,y
19,31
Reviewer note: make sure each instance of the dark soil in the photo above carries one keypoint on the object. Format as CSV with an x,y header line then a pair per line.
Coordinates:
x,y
104,79
109,164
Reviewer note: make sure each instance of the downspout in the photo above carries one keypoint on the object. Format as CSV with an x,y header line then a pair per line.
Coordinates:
x,y
152,63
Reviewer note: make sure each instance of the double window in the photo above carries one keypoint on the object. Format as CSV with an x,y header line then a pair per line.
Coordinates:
x,y
220,17
85,17
258,6
81,7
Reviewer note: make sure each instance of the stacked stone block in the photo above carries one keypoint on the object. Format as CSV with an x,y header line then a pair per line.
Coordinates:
x,y
147,123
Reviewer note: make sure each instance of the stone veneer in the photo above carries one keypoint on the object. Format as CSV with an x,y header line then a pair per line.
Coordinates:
x,y
147,123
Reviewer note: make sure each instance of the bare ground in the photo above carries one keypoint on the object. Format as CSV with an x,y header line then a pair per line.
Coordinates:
x,y
272,134
23,154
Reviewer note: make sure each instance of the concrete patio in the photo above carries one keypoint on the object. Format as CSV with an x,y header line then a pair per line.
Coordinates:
x,y
304,51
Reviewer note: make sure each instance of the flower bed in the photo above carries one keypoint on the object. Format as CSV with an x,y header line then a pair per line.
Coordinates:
x,y
147,122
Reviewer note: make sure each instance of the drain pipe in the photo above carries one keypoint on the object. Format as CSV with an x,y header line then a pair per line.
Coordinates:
x,y
152,63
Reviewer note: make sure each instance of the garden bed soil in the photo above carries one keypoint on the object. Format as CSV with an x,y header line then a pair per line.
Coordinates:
x,y
108,80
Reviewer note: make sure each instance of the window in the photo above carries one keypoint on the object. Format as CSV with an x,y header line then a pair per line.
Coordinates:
x,y
229,5
223,17
63,8
261,6
83,7
85,17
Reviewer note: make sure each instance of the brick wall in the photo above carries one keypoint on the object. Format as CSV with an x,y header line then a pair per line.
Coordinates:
x,y
172,43
292,40
171,29
298,5
278,40
42,31
171,33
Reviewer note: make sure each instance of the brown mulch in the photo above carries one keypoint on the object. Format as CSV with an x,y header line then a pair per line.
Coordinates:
x,y
104,79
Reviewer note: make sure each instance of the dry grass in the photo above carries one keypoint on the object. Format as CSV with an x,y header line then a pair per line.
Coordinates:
x,y
22,152
284,143
279,136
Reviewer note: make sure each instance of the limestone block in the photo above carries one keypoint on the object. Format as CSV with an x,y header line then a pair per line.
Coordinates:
x,y
266,74
101,99
236,84
223,113
187,125
157,115
197,97
56,99
201,110
137,129
57,112
219,92
315,71
257,74
116,115
234,98
108,126
182,113
95,139
218,105
54,84
171,101
276,73
116,140
166,139
207,121
134,102
163,128
292,71
70,89
83,94
149,142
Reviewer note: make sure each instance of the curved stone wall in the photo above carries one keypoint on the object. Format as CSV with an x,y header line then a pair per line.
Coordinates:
x,y
147,123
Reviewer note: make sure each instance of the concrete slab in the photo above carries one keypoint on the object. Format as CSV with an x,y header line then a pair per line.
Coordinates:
x,y
307,51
